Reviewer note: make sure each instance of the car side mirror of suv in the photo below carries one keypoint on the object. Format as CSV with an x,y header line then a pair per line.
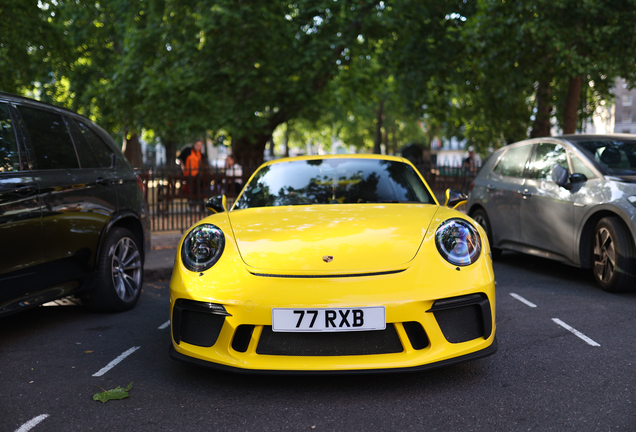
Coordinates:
x,y
216,204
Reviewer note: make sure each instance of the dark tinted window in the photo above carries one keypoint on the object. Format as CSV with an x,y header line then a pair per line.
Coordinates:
x,y
334,181
86,155
9,159
618,157
513,163
101,151
50,139
545,158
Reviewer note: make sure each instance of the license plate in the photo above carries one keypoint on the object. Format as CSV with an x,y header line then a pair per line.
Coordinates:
x,y
328,319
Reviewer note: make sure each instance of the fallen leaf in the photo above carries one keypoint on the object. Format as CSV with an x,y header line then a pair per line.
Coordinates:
x,y
87,352
118,393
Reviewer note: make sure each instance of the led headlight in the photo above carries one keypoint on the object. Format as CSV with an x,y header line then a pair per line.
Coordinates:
x,y
458,242
202,247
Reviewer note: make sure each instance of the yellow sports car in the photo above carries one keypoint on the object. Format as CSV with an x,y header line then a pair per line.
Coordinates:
x,y
333,264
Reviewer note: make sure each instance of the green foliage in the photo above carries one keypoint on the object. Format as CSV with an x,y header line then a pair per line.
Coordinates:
x,y
27,40
114,394
176,70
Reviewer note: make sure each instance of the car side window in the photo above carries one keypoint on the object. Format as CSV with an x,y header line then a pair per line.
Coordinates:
x,y
50,139
102,152
86,155
579,167
9,158
513,163
546,156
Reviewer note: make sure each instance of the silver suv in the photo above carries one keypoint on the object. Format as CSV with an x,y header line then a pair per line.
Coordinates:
x,y
570,198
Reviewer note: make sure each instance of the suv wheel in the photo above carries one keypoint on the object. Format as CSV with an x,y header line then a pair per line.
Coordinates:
x,y
613,256
119,274
481,218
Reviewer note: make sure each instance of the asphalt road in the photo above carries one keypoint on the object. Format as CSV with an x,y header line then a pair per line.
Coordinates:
x,y
543,378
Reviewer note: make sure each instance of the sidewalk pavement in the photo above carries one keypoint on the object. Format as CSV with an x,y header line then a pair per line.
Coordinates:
x,y
160,259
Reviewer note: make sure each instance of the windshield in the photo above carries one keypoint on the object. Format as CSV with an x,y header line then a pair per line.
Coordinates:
x,y
617,157
334,181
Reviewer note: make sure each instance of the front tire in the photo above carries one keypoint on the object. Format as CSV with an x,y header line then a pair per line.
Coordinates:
x,y
481,218
119,274
613,255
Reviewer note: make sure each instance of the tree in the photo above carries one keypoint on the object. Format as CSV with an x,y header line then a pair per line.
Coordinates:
x,y
27,40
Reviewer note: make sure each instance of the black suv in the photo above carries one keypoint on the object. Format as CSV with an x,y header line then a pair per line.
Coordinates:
x,y
73,220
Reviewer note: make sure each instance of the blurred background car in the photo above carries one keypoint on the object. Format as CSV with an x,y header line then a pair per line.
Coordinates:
x,y
570,198
73,220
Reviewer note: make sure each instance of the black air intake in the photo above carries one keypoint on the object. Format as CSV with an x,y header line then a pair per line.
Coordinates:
x,y
197,323
329,343
464,318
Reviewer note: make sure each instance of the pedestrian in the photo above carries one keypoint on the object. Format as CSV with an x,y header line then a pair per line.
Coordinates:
x,y
468,164
468,171
194,166
233,177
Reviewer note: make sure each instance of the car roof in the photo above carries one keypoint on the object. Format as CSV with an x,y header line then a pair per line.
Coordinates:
x,y
17,98
588,137
338,156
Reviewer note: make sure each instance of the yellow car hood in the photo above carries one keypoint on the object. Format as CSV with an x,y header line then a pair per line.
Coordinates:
x,y
330,239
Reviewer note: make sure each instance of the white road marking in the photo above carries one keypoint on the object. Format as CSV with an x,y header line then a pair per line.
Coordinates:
x,y
31,423
576,332
522,300
164,325
115,362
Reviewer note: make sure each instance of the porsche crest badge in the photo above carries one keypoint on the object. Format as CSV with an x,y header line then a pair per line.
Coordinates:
x,y
327,258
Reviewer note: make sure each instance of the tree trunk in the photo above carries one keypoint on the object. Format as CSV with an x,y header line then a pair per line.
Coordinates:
x,y
170,143
248,153
286,140
541,125
571,109
394,137
385,140
378,129
132,150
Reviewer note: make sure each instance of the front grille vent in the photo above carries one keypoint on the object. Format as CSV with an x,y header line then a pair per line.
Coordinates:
x,y
329,343
461,324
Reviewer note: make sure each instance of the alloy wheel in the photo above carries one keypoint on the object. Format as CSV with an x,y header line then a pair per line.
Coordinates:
x,y
481,220
604,255
126,269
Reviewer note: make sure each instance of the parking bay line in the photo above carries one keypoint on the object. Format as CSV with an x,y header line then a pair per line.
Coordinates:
x,y
32,423
164,325
115,362
522,300
575,332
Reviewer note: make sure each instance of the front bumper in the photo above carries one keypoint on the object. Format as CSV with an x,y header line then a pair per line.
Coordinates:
x,y
490,350
422,328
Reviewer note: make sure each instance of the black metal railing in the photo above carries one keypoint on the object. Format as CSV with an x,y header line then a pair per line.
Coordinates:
x,y
176,201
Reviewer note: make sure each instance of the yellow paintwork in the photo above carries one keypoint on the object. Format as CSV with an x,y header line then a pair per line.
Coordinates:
x,y
291,240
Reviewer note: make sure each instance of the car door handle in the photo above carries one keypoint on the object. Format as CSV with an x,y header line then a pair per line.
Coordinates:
x,y
24,191
102,181
526,194
489,188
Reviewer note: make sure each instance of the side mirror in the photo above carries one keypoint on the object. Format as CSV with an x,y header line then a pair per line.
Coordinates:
x,y
560,176
454,198
578,178
216,204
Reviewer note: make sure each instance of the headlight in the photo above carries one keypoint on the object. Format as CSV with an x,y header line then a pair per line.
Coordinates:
x,y
458,242
202,247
